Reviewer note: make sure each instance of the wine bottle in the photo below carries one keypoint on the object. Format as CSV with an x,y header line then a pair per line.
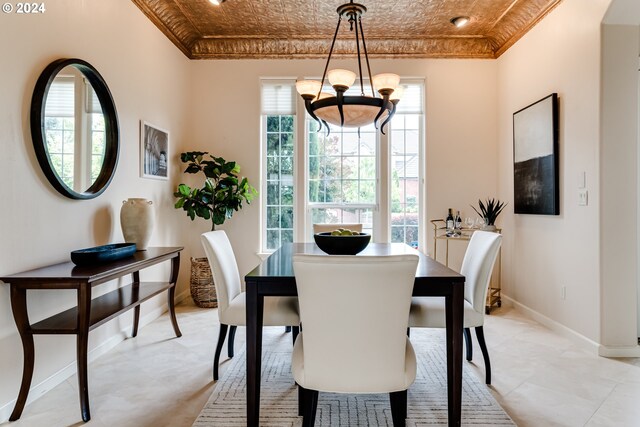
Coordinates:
x,y
458,221
450,224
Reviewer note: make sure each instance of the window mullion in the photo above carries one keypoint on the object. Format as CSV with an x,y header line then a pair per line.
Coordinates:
x,y
384,190
300,168
263,189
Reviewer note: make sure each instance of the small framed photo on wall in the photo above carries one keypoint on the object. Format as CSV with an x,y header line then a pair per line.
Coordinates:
x,y
535,158
154,152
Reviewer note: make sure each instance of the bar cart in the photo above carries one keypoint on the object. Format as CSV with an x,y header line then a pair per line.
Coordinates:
x,y
495,285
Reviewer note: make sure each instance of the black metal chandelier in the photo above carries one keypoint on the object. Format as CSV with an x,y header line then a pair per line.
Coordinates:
x,y
347,110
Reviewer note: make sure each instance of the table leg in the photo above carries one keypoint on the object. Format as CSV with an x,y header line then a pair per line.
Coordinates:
x,y
82,346
454,318
446,256
175,267
136,309
255,307
19,309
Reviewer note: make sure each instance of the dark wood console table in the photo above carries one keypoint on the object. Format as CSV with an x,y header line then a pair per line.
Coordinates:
x,y
89,313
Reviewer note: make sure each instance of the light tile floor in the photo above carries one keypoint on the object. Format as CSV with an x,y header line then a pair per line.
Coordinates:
x,y
540,378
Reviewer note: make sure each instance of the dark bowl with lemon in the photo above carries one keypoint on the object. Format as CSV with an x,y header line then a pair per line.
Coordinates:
x,y
342,244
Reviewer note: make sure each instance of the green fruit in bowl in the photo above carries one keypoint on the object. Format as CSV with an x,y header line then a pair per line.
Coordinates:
x,y
344,232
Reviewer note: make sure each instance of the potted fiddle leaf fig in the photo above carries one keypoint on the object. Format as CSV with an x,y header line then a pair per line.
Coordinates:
x,y
222,193
489,211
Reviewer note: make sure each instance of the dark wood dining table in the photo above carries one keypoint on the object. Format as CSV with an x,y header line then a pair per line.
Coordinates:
x,y
274,277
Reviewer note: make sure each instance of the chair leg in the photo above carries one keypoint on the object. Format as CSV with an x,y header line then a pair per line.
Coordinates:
x,y
287,329
310,405
485,354
232,337
468,344
408,332
398,400
294,333
216,358
300,400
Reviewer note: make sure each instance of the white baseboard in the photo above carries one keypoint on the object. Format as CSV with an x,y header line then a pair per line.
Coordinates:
x,y
575,337
182,296
63,374
611,351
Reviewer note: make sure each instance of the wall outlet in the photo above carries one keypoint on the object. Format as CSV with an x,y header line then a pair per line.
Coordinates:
x,y
583,197
563,291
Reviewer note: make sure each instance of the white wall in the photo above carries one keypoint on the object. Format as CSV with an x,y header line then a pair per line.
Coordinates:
x,y
460,126
148,79
619,186
542,254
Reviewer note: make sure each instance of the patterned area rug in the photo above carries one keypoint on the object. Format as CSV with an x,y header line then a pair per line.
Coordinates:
x,y
427,397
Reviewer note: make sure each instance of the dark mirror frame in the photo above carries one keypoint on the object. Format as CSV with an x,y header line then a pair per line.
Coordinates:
x,y
112,136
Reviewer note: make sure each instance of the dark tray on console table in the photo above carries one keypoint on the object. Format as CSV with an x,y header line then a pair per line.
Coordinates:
x,y
90,313
102,254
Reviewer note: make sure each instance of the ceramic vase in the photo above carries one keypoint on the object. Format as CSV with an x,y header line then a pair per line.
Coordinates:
x,y
136,220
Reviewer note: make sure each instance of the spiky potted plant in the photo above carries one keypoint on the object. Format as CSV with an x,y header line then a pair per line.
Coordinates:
x,y
489,211
222,193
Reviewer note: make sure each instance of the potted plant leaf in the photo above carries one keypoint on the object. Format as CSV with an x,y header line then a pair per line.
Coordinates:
x,y
489,211
222,193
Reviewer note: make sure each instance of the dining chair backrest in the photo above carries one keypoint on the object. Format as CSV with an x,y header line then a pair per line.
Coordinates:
x,y
324,228
224,268
354,313
477,266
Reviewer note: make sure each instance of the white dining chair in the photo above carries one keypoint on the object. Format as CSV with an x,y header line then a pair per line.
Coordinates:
x,y
278,311
354,312
325,228
477,266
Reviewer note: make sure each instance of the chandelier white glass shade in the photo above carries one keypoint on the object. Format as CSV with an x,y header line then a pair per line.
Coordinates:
x,y
348,110
340,77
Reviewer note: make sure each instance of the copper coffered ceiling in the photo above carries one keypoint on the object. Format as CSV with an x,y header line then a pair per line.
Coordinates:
x,y
303,28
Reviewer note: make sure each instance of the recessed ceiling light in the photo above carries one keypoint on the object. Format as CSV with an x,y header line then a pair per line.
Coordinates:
x,y
217,2
460,21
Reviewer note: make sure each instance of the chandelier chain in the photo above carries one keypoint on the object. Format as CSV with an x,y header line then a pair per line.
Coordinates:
x,y
366,57
326,66
351,19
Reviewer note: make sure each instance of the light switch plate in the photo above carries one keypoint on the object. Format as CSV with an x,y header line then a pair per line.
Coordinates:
x,y
583,197
582,180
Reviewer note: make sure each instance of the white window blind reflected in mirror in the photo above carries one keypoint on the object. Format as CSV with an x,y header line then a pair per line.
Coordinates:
x,y
74,130
59,127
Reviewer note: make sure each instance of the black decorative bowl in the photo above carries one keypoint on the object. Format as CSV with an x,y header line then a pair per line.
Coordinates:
x,y
101,254
342,245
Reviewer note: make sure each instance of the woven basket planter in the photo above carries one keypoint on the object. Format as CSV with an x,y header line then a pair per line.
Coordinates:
x,y
203,291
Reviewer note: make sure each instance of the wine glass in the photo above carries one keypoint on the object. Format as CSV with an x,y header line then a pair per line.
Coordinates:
x,y
469,222
480,223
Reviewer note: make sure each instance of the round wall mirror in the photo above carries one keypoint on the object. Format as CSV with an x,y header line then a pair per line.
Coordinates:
x,y
74,127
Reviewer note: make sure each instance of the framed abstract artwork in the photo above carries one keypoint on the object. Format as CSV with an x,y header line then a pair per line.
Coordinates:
x,y
154,152
535,158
